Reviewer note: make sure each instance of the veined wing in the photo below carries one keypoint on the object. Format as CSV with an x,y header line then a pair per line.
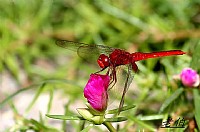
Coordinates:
x,y
129,79
85,51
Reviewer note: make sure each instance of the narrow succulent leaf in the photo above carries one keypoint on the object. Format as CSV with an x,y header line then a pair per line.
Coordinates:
x,y
16,93
141,123
39,91
196,94
64,117
171,99
51,95
151,117
117,119
40,126
114,111
195,63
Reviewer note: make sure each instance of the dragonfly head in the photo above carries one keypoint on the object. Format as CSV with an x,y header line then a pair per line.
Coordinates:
x,y
103,61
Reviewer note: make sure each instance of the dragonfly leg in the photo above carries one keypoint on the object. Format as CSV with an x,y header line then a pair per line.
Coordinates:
x,y
134,67
113,78
112,75
100,70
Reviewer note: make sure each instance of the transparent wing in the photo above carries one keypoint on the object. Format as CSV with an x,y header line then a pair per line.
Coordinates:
x,y
85,51
128,81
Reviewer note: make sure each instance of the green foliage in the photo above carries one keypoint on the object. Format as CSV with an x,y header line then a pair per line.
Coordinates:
x,y
195,65
31,60
171,99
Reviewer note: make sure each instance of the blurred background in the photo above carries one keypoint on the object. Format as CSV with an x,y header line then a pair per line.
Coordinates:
x,y
38,77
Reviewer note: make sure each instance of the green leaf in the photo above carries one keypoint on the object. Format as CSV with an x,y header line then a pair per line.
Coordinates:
x,y
117,119
16,93
51,81
41,127
141,123
64,117
39,91
116,12
172,98
123,109
195,63
151,117
51,94
13,64
196,94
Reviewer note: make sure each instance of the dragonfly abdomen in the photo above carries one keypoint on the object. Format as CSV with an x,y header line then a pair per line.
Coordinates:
x,y
137,56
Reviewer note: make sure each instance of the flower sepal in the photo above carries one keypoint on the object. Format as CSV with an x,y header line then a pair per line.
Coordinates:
x,y
98,120
92,115
93,111
85,113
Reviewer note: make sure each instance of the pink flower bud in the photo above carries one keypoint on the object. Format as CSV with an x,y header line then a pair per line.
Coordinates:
x,y
96,91
189,77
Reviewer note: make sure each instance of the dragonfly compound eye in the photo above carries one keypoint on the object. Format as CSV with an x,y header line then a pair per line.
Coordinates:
x,y
103,61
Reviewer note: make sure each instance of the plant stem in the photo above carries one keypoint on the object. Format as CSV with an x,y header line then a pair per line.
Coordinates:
x,y
110,127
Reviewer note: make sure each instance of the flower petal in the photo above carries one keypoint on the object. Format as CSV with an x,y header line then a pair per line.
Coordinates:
x,y
96,91
189,77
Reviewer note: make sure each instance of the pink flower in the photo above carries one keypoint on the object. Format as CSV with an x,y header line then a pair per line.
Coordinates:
x,y
189,77
96,91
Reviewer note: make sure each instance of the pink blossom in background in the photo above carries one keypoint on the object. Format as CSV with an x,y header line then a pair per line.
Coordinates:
x,y
96,91
189,77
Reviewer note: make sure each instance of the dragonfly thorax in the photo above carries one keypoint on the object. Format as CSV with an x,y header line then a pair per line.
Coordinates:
x,y
120,57
103,61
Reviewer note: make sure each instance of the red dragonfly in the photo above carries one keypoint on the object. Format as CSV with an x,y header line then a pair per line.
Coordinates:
x,y
111,58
